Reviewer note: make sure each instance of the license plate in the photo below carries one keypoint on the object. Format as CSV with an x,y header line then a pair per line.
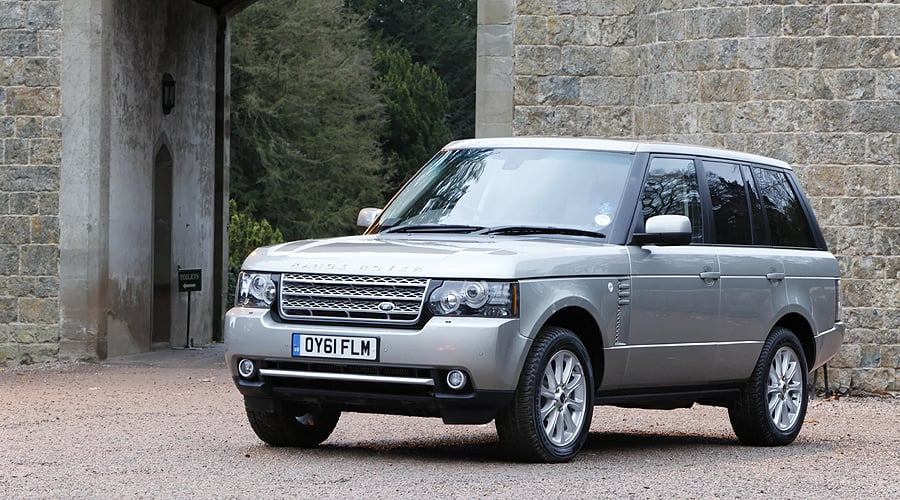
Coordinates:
x,y
328,346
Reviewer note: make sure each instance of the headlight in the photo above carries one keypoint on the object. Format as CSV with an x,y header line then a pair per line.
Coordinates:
x,y
255,290
491,299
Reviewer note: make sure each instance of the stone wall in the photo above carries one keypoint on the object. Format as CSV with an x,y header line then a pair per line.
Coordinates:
x,y
813,83
30,128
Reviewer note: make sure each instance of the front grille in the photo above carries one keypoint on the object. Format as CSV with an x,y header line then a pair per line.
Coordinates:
x,y
365,299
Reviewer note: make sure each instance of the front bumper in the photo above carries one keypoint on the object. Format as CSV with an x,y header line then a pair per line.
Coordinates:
x,y
408,378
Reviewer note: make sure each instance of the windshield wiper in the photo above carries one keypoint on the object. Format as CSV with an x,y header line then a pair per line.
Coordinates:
x,y
433,228
540,230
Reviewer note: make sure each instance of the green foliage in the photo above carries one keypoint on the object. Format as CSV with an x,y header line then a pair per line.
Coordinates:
x,y
305,120
416,101
440,34
244,235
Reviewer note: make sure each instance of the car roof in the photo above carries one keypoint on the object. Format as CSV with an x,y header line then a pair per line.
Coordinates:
x,y
597,144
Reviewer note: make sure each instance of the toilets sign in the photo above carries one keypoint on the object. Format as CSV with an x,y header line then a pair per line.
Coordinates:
x,y
189,280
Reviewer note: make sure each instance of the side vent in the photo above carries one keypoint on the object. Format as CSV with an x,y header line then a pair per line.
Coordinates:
x,y
624,290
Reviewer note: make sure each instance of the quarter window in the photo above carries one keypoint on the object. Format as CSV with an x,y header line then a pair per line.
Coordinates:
x,y
788,224
671,189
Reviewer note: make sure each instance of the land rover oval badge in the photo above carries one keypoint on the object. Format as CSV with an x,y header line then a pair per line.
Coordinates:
x,y
386,306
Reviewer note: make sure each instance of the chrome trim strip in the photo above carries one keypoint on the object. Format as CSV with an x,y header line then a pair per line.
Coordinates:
x,y
686,344
345,377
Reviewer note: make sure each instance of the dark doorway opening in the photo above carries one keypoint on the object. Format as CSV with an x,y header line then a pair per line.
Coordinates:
x,y
162,249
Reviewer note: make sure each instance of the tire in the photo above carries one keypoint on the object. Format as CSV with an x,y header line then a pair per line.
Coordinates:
x,y
303,429
546,421
772,404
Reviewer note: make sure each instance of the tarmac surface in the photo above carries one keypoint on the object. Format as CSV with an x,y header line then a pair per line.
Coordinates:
x,y
171,425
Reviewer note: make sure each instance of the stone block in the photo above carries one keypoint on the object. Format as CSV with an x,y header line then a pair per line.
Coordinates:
x,y
607,91
36,334
9,265
831,116
589,61
657,58
670,26
872,379
612,122
9,312
887,19
14,230
23,204
887,241
49,43
48,203
12,15
850,85
572,7
16,152
862,317
866,267
536,8
773,84
804,20
574,120
37,101
717,118
44,15
28,127
532,30
30,354
831,149
839,380
725,86
41,311
879,52
45,152
754,53
859,336
551,90
39,260
836,52
611,7
765,21
887,85
850,20
646,30
538,60
533,120
882,212
728,22
847,357
875,116
793,52
890,356
18,43
44,229
495,11
7,127
30,71
29,178
870,356
867,181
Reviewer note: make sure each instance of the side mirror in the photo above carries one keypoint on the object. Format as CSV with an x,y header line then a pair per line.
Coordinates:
x,y
665,230
365,219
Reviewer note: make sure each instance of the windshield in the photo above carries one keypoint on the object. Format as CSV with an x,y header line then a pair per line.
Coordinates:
x,y
469,190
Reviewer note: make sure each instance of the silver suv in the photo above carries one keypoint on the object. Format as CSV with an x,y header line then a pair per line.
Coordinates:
x,y
526,280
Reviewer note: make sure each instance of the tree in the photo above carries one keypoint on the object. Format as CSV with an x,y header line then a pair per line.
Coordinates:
x,y
416,102
244,235
305,120
440,34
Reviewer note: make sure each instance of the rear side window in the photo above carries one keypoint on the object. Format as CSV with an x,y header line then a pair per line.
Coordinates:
x,y
671,189
788,224
728,194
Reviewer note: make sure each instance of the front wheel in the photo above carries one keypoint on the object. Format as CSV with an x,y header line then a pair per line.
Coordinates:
x,y
772,404
300,427
550,414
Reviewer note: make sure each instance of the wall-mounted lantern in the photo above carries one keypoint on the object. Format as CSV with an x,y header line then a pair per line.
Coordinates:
x,y
168,93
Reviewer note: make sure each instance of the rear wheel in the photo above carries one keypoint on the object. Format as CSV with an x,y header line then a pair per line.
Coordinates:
x,y
772,405
550,415
300,427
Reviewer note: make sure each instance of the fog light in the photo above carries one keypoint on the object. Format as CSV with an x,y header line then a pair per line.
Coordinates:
x,y
456,380
246,368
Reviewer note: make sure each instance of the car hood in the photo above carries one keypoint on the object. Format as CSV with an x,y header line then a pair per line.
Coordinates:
x,y
443,256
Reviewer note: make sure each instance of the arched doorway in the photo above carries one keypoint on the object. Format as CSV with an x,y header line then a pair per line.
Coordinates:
x,y
162,249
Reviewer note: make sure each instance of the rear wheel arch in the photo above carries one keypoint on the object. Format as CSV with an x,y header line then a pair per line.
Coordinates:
x,y
796,323
585,327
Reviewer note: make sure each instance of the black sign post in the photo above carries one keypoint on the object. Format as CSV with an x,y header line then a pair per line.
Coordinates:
x,y
189,281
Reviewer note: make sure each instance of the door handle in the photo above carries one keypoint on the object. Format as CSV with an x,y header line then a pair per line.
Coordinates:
x,y
710,275
775,276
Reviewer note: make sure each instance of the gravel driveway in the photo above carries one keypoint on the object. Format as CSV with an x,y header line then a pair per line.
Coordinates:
x,y
172,425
